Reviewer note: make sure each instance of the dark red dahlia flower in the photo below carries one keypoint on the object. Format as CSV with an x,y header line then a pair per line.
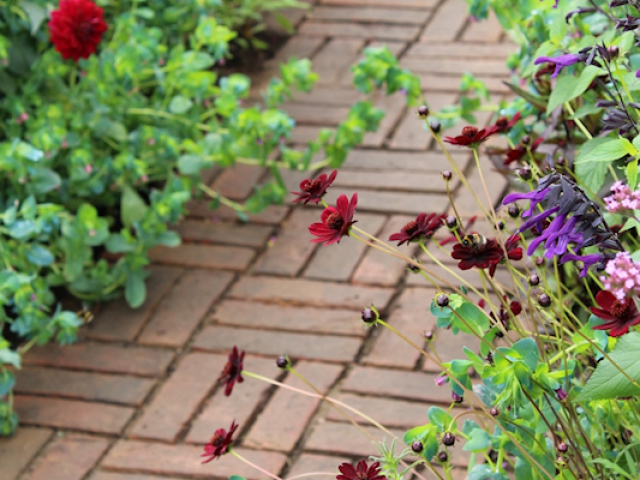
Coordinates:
x,y
460,231
515,154
481,256
471,137
514,251
361,472
232,371
314,190
619,314
422,226
503,124
219,443
76,28
336,221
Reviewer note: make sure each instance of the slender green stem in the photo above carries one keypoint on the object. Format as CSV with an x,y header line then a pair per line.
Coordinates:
x,y
251,464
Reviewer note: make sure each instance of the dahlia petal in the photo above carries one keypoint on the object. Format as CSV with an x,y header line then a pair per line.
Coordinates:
x,y
605,299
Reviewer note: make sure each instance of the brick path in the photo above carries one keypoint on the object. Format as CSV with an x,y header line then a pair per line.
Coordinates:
x,y
137,398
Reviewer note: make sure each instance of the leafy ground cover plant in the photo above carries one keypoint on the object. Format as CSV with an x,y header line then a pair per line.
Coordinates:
x,y
555,388
109,115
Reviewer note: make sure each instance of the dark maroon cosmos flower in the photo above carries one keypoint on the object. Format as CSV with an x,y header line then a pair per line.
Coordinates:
x,y
460,231
422,226
515,154
482,256
503,124
336,221
471,137
514,251
232,371
219,443
361,472
514,309
76,28
314,190
619,314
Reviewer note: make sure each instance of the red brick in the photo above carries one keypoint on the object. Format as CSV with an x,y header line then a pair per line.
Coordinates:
x,y
294,319
184,307
184,460
270,431
389,382
98,387
379,268
272,215
296,345
330,96
488,30
240,406
371,14
178,399
379,31
292,247
486,67
339,263
496,184
308,292
118,321
398,161
392,202
346,439
102,475
237,182
243,234
204,256
100,357
316,114
392,180
448,20
451,83
408,316
335,58
461,50
421,4
393,106
69,458
309,462
72,414
305,133
386,411
18,450
299,47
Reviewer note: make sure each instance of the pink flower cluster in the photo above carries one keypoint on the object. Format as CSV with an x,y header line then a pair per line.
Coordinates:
x,y
624,276
622,199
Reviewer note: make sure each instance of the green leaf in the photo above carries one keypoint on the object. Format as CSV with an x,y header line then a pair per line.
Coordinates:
x,y
180,104
558,29
9,357
117,243
43,180
133,208
480,440
39,255
36,15
169,238
612,466
483,472
108,128
562,92
135,290
591,175
632,174
608,151
191,164
7,381
607,381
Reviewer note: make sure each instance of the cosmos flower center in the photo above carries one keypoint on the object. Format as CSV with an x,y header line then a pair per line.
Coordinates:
x,y
410,228
335,221
229,369
218,438
502,122
620,309
469,131
310,185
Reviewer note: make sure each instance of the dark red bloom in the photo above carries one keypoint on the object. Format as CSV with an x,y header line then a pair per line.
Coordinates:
x,y
514,308
219,443
514,251
503,124
619,314
314,190
76,28
232,371
515,154
361,472
422,226
336,221
461,232
471,136
483,255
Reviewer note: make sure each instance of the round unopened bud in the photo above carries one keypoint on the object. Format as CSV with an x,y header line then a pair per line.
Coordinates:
x,y
526,140
514,210
423,111
442,300
494,412
435,126
525,173
456,398
500,225
369,315
533,280
452,222
447,175
443,457
614,51
560,161
417,446
563,447
283,362
493,455
544,300
540,261
414,268
448,439
428,335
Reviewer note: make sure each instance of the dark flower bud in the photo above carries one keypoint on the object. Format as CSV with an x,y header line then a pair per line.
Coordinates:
x,y
514,210
443,457
423,111
456,398
544,300
435,126
447,175
493,455
428,335
283,362
525,173
452,222
442,300
370,315
563,447
526,140
417,446
614,51
448,439
533,280
500,225
490,357
494,412
539,261
560,161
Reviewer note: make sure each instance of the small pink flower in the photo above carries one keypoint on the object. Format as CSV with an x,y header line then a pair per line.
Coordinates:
x,y
623,278
23,117
144,178
623,199
64,144
88,168
162,62
151,141
92,232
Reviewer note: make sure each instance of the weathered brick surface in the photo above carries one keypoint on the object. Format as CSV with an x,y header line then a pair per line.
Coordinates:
x,y
272,215
393,106
70,457
488,31
372,14
411,161
457,67
295,319
18,450
184,307
447,22
335,58
392,180
316,114
419,4
247,234
345,439
206,256
460,50
392,202
378,31
329,95
310,462
104,475
237,182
